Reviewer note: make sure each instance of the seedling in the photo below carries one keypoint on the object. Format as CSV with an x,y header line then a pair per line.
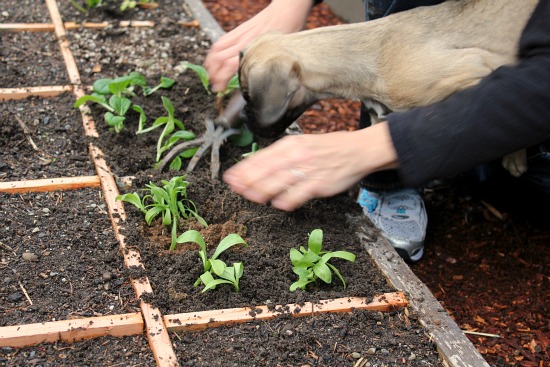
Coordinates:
x,y
170,201
165,142
253,149
205,79
213,265
245,137
312,264
120,90
165,83
130,4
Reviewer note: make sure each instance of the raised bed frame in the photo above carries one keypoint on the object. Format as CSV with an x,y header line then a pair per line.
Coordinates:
x,y
455,349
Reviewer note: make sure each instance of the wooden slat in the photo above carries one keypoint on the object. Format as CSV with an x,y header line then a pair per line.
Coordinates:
x,y
20,93
87,120
26,27
157,333
71,330
215,318
61,34
453,346
49,184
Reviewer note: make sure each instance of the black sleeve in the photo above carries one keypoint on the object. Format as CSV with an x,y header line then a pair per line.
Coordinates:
x,y
507,111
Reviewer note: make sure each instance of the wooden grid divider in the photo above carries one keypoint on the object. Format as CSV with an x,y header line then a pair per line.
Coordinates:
x,y
206,319
49,184
157,334
71,330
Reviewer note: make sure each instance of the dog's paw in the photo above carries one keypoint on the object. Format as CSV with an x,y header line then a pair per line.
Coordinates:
x,y
515,163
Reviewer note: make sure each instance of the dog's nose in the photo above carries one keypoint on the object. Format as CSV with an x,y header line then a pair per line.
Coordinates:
x,y
250,117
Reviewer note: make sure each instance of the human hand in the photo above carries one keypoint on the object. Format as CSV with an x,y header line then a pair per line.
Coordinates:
x,y
298,168
222,61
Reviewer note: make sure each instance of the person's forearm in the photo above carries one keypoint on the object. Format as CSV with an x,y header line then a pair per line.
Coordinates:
x,y
288,16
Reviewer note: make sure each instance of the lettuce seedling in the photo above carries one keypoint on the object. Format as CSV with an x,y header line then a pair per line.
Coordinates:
x,y
170,201
205,79
120,90
130,4
213,265
165,141
312,263
165,83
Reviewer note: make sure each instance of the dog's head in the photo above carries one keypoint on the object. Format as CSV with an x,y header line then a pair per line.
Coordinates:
x,y
270,80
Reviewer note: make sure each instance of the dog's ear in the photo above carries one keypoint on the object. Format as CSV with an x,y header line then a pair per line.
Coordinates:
x,y
276,97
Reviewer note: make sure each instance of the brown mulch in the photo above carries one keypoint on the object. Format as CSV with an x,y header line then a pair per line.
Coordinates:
x,y
486,255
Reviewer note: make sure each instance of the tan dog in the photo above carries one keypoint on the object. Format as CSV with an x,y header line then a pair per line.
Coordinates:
x,y
409,59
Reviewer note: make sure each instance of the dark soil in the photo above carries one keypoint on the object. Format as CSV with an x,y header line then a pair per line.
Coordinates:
x,y
59,248
55,127
31,59
107,351
466,241
310,341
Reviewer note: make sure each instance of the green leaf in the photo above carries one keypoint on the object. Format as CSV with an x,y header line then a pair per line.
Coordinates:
x,y
302,272
166,217
101,86
232,84
244,138
239,270
137,79
206,277
142,118
218,266
300,283
228,242
188,153
201,72
151,214
176,164
212,284
118,86
132,199
121,105
323,272
117,122
93,98
164,83
160,194
168,106
306,260
192,236
315,242
337,274
343,255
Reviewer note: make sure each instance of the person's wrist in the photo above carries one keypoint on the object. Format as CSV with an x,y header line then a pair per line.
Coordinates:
x,y
378,150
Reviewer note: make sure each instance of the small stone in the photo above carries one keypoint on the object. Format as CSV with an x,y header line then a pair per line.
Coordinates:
x,y
371,351
45,210
15,297
355,355
412,356
5,14
106,276
29,256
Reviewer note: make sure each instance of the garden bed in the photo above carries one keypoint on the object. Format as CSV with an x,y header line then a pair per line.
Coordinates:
x,y
162,279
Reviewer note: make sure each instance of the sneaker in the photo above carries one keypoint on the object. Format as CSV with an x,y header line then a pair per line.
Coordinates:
x,y
401,217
